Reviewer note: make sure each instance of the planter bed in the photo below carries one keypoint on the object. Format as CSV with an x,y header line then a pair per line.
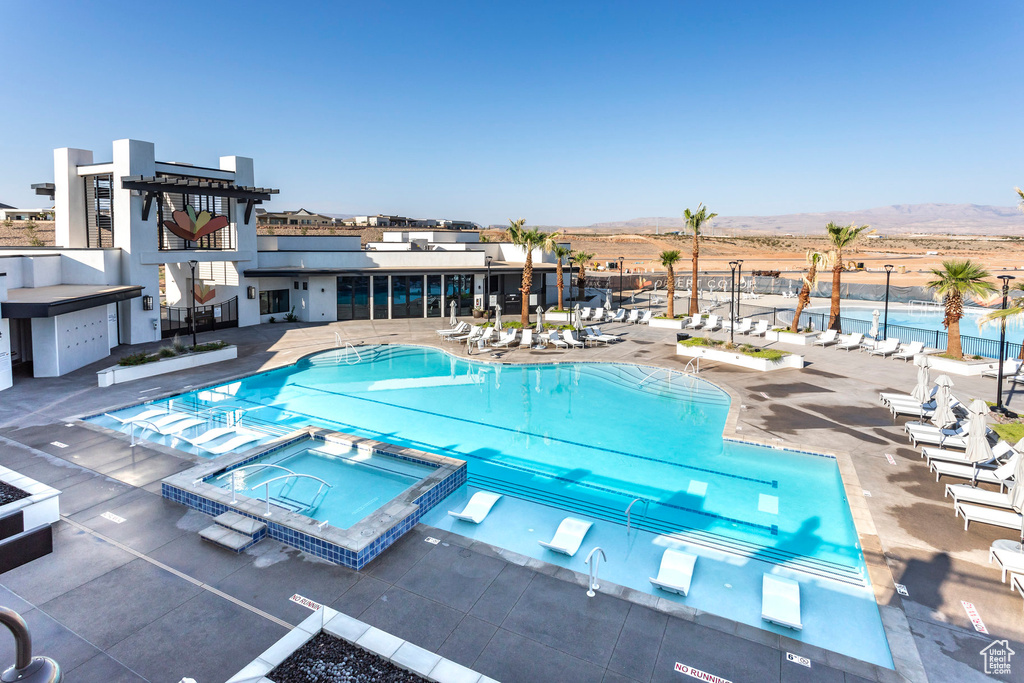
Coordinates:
x,y
667,324
797,338
40,504
739,359
969,368
127,373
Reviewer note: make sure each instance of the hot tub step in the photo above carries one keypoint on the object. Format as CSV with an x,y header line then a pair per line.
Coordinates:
x,y
226,538
240,523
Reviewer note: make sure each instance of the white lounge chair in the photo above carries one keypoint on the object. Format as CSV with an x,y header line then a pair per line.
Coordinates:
x,y
175,427
713,323
1007,556
526,342
825,338
695,322
1011,367
985,515
634,316
676,571
744,326
618,317
477,508
598,335
598,314
461,328
585,313
760,329
852,341
569,536
474,331
1001,475
211,434
645,319
886,348
780,601
886,397
554,338
231,444
506,338
144,416
159,424
965,493
1000,451
908,351
571,340
1017,583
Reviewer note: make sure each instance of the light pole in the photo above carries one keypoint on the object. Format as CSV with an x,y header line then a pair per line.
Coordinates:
x,y
568,304
487,288
621,259
192,301
885,326
732,301
739,278
1000,408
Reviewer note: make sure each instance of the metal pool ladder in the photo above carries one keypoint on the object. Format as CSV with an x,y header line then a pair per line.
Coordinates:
x,y
347,345
646,503
593,563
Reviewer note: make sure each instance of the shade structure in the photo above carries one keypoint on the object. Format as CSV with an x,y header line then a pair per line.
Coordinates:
x,y
497,318
943,416
922,392
874,324
978,447
454,320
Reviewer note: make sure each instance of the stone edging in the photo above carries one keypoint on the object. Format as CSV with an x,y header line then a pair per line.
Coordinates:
x,y
399,652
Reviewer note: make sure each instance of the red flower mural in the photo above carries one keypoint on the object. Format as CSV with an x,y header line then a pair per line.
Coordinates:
x,y
189,226
203,293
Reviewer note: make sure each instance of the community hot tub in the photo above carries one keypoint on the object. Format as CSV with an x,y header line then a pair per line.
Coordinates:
x,y
342,498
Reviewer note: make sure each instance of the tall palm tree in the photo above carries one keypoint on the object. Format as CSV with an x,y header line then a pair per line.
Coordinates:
x,y
811,279
840,237
668,259
561,253
953,280
529,240
695,221
582,258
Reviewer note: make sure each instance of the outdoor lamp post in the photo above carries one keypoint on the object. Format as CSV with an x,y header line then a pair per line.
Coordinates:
x,y
621,259
570,259
1000,408
732,300
192,301
885,325
739,278
487,288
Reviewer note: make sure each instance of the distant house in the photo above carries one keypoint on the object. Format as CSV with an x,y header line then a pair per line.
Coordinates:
x,y
385,221
11,213
302,217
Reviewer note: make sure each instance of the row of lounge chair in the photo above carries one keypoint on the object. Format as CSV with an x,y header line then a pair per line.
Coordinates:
x,y
944,451
712,323
527,337
780,596
888,348
216,441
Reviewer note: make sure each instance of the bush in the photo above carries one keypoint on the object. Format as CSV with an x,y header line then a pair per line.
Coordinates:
x,y
140,358
772,355
272,319
178,345
167,352
209,346
290,316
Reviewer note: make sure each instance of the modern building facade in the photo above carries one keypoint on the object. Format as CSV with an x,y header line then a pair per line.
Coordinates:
x,y
144,247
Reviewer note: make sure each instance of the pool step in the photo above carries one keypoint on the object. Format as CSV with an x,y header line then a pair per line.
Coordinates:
x,y
234,531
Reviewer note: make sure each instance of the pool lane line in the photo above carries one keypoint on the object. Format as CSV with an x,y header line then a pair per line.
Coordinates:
x,y
774,483
179,574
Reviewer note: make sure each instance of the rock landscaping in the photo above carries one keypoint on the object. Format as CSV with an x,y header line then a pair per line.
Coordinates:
x,y
326,659
9,494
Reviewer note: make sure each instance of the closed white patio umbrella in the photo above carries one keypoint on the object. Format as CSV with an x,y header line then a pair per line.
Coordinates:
x,y
874,324
497,318
943,416
922,392
577,319
454,320
540,321
978,448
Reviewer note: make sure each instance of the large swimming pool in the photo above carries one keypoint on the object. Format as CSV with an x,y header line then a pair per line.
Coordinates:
x,y
588,439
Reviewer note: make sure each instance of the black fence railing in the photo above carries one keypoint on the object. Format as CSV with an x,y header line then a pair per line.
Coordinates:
x,y
211,317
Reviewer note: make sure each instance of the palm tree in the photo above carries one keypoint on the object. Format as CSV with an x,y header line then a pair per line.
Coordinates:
x,y
953,280
582,258
668,259
561,253
811,279
839,237
695,221
529,240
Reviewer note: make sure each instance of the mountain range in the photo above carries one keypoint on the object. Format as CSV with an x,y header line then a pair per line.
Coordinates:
x,y
903,219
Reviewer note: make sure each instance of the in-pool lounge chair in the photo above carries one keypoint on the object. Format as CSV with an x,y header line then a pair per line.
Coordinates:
x,y
569,536
825,338
780,601
985,515
477,508
175,427
144,416
231,444
852,341
676,572
211,434
1008,557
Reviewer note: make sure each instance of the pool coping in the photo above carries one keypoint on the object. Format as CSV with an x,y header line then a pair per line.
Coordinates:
x,y
902,647
353,547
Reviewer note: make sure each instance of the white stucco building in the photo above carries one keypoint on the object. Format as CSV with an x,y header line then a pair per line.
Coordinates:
x,y
128,222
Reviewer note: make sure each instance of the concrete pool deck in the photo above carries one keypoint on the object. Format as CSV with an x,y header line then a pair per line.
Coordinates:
x,y
831,406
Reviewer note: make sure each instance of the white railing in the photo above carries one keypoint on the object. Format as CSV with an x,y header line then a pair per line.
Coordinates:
x,y
593,563
629,520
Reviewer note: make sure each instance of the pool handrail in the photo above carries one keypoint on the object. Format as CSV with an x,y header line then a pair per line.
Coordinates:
x,y
233,470
289,476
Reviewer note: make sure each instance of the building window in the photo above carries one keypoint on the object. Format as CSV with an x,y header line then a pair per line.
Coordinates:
x,y
99,214
274,301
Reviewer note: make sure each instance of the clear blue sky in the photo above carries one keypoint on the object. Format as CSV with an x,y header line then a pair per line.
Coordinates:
x,y
561,113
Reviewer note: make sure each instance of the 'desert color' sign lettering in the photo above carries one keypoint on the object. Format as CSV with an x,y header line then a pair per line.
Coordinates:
x,y
700,675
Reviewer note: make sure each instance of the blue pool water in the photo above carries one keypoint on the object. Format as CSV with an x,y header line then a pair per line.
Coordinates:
x,y
587,439
360,482
921,318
